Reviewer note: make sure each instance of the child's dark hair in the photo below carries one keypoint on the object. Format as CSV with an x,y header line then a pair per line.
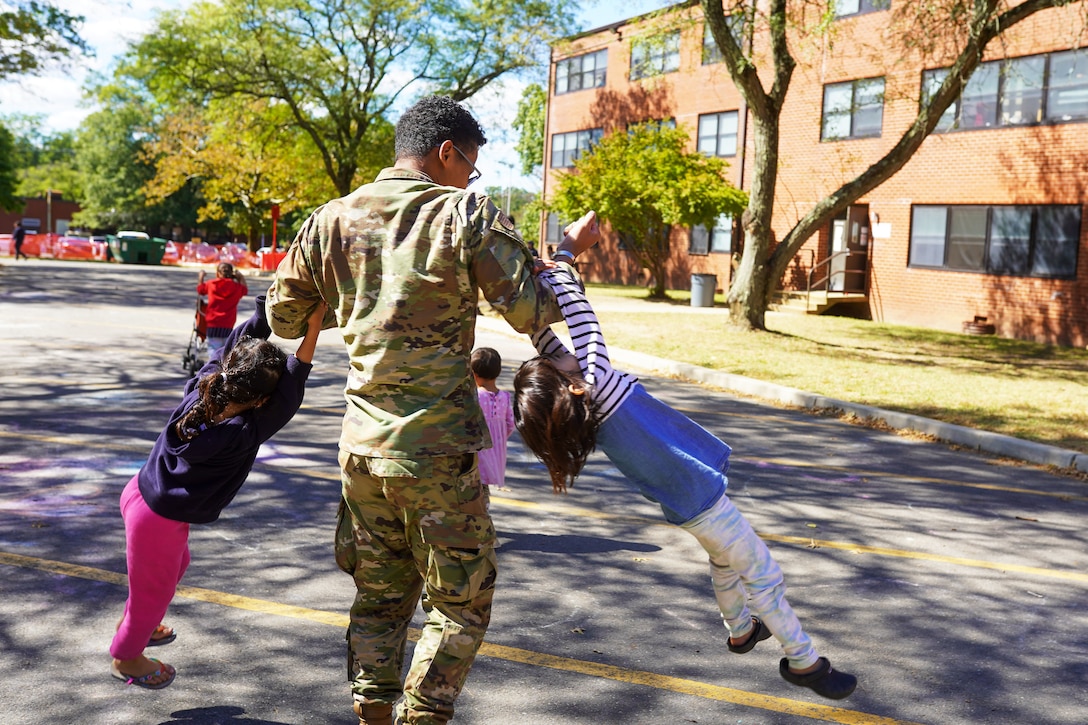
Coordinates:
x,y
432,120
486,363
558,424
251,371
225,269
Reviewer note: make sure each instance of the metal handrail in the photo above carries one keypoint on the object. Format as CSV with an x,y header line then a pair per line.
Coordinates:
x,y
827,278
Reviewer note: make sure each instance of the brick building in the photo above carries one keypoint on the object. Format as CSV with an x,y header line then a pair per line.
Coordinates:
x,y
986,220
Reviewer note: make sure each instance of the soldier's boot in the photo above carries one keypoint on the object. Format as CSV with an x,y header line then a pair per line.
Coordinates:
x,y
374,713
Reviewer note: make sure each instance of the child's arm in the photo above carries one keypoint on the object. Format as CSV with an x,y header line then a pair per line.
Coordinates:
x,y
306,348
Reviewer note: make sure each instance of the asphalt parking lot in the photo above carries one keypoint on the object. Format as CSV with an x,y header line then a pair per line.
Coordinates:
x,y
952,584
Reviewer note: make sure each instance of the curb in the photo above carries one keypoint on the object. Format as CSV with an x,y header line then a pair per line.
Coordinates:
x,y
995,443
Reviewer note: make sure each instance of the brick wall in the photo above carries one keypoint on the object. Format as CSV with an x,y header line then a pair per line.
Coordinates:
x,y
1028,165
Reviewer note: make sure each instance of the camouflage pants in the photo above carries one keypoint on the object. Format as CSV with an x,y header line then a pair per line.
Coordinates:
x,y
408,528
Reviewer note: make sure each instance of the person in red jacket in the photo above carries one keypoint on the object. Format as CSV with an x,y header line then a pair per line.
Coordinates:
x,y
224,293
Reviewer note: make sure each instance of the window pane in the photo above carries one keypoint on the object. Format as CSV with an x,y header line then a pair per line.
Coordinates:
x,y
708,134
978,103
1056,241
721,237
711,52
868,107
927,230
557,150
1022,98
699,240
966,238
638,60
671,59
562,68
847,7
1067,94
931,82
1010,239
837,101
551,234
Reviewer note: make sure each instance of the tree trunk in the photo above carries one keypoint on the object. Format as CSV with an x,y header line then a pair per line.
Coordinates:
x,y
751,291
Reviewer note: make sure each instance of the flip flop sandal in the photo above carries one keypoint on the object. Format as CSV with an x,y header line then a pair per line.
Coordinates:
x,y
759,633
145,680
153,642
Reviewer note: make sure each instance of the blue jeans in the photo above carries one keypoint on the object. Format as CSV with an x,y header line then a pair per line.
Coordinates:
x,y
671,459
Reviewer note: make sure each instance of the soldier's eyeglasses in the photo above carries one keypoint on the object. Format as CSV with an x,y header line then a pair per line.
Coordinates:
x,y
475,175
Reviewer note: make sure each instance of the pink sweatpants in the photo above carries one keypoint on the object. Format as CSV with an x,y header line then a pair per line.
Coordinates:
x,y
157,553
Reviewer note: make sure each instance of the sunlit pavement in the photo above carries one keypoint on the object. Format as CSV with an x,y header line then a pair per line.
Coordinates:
x,y
951,585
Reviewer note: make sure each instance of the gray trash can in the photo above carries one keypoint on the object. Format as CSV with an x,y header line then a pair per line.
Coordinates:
x,y
702,289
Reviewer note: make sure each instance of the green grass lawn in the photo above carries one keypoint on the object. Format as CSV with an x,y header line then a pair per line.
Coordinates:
x,y
1024,389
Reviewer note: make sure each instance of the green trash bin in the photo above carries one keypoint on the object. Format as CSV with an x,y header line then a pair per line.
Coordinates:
x,y
136,248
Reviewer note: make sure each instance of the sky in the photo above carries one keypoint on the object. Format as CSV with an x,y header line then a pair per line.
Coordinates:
x,y
110,24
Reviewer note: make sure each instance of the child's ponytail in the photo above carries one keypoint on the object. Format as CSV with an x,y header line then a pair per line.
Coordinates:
x,y
250,372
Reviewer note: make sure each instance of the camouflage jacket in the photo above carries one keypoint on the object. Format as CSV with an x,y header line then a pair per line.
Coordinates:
x,y
401,263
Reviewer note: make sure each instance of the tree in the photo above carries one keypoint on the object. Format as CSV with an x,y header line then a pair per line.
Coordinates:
x,y
340,66
35,34
246,156
529,123
9,201
940,29
643,183
109,150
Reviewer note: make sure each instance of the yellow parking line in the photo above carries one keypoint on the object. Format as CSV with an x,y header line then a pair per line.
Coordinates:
x,y
814,711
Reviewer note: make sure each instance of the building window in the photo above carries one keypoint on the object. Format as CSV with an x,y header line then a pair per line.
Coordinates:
x,y
1016,92
718,134
567,147
711,52
1036,241
553,231
1067,91
654,56
844,8
718,241
581,72
854,109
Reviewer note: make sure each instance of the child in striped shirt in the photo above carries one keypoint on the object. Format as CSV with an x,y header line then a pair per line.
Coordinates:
x,y
567,404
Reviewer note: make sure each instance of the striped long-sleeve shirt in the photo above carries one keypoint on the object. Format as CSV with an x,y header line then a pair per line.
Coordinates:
x,y
608,387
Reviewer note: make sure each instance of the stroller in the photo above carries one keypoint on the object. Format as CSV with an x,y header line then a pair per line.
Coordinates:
x,y
197,352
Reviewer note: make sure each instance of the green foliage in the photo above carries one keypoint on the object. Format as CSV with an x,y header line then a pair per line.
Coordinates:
x,y
331,63
9,201
523,208
245,156
109,156
35,34
529,123
643,183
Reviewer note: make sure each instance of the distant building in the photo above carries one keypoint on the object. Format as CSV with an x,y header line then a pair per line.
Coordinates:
x,y
986,220
41,215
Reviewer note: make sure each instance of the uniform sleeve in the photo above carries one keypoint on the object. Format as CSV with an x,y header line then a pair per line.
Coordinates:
x,y
294,293
502,267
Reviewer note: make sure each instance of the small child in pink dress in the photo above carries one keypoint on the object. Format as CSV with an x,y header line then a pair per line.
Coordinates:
x,y
486,364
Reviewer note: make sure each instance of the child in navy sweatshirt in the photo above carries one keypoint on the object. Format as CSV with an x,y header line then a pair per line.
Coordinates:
x,y
244,394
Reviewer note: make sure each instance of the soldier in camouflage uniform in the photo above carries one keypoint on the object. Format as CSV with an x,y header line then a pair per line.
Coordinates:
x,y
401,263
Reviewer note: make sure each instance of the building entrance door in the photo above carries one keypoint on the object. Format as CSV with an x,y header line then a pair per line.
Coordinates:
x,y
837,270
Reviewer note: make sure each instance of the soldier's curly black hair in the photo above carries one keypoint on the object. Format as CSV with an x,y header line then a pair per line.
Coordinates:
x,y
432,120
